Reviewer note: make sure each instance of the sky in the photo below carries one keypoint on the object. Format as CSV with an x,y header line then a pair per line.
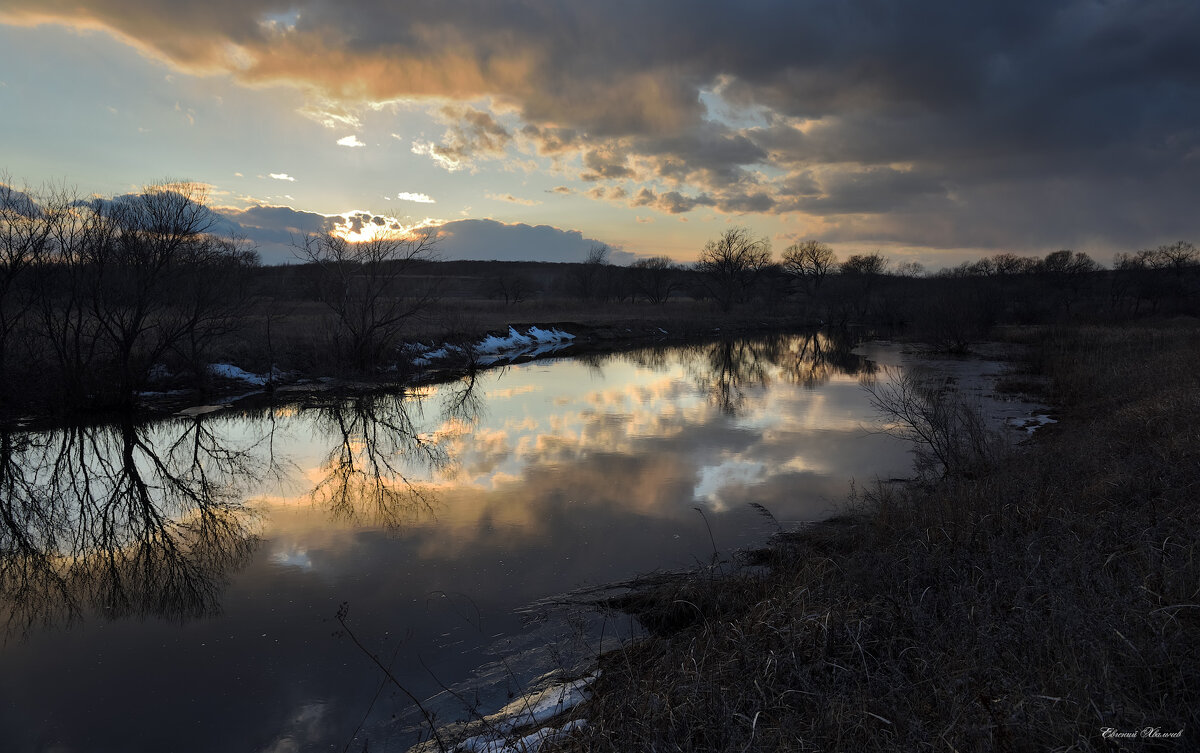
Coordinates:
x,y
932,130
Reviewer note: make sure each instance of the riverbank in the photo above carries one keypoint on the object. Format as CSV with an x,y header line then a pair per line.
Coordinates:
x,y
435,354
1047,602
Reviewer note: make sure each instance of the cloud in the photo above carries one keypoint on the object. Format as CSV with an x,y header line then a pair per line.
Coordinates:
x,y
512,199
489,239
274,229
444,158
671,202
609,193
351,140
278,229
419,198
937,124
283,176
472,134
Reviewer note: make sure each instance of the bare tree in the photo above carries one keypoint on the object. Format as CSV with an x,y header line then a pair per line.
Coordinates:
x,y
1011,264
513,287
116,291
872,264
655,279
362,284
866,270
910,269
1067,271
589,279
212,296
1177,256
950,435
1154,274
810,262
732,263
24,243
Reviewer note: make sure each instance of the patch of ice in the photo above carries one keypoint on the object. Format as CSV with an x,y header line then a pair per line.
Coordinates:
x,y
162,393
200,410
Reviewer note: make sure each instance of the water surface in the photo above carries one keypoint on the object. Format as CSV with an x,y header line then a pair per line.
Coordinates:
x,y
175,586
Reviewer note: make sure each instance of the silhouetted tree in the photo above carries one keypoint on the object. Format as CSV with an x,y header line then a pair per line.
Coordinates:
x,y
1067,271
731,264
126,281
872,264
810,262
25,241
589,280
655,279
362,285
513,287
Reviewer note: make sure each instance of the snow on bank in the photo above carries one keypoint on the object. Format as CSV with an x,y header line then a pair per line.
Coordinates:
x,y
494,348
528,744
1032,423
538,707
229,371
499,730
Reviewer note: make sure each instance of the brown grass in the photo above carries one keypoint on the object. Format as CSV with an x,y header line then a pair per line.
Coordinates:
x,y
302,332
1024,609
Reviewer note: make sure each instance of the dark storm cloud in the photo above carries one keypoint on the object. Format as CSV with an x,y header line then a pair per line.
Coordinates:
x,y
875,190
975,108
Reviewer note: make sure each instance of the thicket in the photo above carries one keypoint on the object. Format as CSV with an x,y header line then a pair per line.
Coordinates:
x,y
96,294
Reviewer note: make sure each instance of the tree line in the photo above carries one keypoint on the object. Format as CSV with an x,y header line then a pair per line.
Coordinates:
x,y
101,296
96,293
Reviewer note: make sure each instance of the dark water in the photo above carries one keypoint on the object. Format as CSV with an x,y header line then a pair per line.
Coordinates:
x,y
176,586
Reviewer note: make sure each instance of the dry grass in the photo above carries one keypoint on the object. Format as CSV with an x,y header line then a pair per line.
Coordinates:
x,y
302,332
1024,609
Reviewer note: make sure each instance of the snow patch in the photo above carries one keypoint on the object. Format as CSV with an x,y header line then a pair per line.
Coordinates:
x,y
1032,423
495,348
527,711
538,707
229,371
528,744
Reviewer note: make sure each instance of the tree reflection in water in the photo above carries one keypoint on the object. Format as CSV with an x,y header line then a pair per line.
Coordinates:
x,y
726,369
372,473
130,519
120,520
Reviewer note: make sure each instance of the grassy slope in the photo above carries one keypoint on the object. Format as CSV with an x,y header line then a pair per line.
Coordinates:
x,y
1024,609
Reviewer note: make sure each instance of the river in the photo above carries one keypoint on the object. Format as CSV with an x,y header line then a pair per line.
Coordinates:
x,y
177,585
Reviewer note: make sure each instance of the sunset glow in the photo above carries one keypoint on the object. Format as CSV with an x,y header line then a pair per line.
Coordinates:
x,y
935,134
